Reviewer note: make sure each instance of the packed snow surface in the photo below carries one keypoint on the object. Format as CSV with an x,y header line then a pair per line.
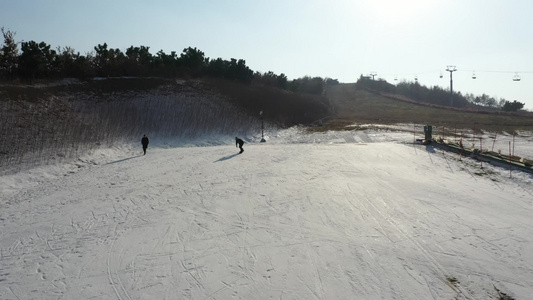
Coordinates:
x,y
351,215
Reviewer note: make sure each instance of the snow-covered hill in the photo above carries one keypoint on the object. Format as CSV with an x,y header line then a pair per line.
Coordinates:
x,y
338,215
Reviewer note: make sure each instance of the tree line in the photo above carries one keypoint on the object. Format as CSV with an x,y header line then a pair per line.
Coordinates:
x,y
35,61
437,95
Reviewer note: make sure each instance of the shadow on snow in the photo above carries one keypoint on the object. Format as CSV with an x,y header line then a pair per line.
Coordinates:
x,y
227,157
121,160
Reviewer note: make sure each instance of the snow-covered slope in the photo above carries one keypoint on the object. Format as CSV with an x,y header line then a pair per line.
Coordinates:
x,y
351,215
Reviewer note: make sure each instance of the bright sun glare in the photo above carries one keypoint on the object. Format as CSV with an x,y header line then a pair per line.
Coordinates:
x,y
395,10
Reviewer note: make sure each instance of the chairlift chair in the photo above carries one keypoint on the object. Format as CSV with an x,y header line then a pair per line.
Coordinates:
x,y
474,75
516,77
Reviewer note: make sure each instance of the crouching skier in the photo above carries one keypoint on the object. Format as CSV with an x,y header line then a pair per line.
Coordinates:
x,y
239,142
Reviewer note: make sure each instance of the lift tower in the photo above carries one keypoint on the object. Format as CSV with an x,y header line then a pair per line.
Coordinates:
x,y
451,69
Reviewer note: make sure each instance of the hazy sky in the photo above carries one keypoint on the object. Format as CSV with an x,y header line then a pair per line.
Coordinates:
x,y
340,39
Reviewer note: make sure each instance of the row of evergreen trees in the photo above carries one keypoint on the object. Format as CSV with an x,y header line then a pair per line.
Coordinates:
x,y
40,61
437,95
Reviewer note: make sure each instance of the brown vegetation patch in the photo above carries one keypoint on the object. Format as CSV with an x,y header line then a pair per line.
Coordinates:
x,y
279,106
351,104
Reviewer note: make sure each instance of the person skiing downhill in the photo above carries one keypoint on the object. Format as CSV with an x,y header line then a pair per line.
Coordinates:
x,y
144,142
239,142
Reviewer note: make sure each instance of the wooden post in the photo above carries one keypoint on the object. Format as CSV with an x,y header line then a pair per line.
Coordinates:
x,y
461,145
481,150
513,143
455,132
510,164
414,133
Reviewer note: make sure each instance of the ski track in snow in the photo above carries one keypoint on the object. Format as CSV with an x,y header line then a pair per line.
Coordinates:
x,y
315,218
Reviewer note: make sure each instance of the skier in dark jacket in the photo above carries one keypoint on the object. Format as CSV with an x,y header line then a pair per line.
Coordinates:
x,y
239,142
145,142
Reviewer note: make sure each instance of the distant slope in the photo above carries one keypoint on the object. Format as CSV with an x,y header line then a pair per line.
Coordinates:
x,y
49,121
352,105
55,120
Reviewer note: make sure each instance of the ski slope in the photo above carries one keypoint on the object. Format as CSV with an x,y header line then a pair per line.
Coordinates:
x,y
333,216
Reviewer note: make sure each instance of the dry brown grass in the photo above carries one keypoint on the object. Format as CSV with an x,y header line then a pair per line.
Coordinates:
x,y
48,123
280,107
356,106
